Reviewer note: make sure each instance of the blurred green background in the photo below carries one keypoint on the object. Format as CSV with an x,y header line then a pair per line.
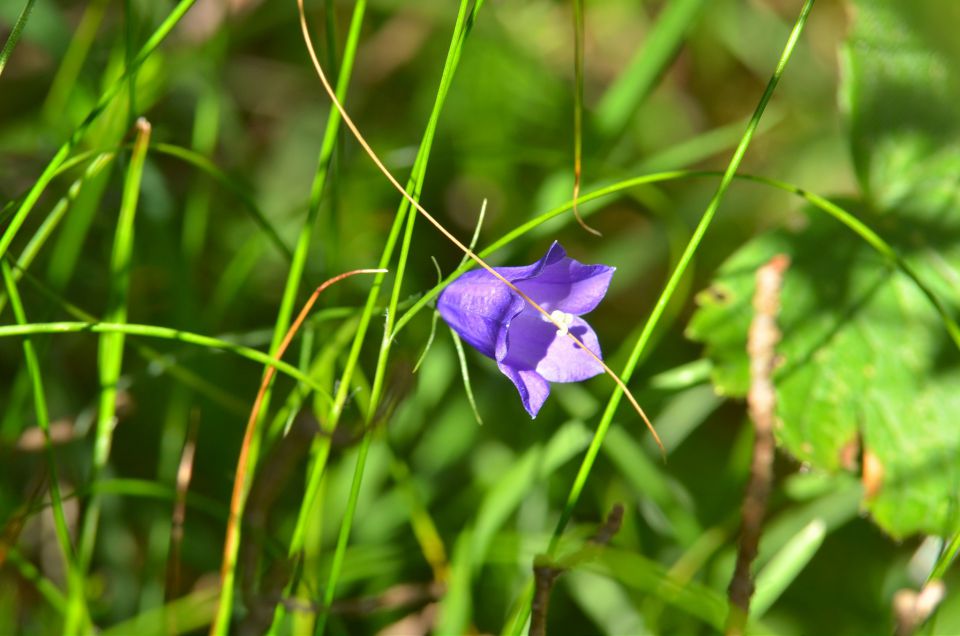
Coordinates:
x,y
668,85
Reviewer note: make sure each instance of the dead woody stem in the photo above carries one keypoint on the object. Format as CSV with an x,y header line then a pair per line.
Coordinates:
x,y
761,402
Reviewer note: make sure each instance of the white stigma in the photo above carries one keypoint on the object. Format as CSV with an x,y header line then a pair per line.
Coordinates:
x,y
563,320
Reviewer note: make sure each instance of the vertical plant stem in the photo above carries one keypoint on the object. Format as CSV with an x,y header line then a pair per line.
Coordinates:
x,y
244,476
578,111
128,44
291,288
110,354
414,187
405,212
33,195
43,421
761,400
15,34
73,59
673,282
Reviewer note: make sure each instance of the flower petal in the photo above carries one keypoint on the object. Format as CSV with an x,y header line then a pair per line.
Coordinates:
x,y
567,284
533,388
533,343
478,306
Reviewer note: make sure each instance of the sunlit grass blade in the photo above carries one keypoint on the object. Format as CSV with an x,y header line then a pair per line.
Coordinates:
x,y
61,528
110,356
674,280
638,79
461,29
33,195
786,565
15,33
465,373
692,247
245,462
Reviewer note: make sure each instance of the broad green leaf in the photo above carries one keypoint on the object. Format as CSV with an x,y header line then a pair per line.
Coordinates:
x,y
865,361
867,368
901,88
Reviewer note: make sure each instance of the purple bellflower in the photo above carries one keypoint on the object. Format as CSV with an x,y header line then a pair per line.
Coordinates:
x,y
528,348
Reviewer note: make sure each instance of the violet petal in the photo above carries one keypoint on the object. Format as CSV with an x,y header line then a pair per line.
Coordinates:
x,y
528,347
532,342
477,306
568,285
533,388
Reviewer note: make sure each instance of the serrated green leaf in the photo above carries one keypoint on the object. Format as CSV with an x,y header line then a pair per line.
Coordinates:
x,y
865,361
901,89
866,366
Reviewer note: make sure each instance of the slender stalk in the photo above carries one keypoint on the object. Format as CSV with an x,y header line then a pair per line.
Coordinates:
x,y
678,272
672,284
15,33
43,421
762,402
33,195
578,111
244,473
410,194
110,357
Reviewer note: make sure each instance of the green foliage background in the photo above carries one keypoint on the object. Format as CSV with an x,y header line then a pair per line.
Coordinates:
x,y
201,233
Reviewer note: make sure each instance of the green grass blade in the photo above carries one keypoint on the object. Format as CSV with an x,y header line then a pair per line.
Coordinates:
x,y
637,80
784,567
414,186
47,588
15,34
43,421
33,195
165,333
295,275
50,224
465,373
110,355
206,126
674,280
66,78
678,272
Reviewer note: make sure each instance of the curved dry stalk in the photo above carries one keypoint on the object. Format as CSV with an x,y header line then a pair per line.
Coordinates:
x,y
433,221
578,113
232,542
576,196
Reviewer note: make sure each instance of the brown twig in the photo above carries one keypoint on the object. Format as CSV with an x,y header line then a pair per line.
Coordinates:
x,y
546,571
911,609
184,474
761,401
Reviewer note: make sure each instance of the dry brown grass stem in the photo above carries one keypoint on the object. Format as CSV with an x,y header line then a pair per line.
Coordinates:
x,y
761,402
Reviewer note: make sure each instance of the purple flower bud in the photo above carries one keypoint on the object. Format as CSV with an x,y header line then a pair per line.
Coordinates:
x,y
528,348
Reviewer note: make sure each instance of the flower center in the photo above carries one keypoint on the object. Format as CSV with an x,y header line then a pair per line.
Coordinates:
x,y
562,319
